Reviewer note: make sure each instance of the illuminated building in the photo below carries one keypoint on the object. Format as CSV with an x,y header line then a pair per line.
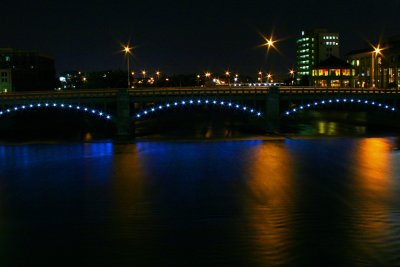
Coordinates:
x,y
377,68
313,47
25,71
333,72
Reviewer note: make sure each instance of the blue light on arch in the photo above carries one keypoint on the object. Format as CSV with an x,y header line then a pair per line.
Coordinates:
x,y
221,103
337,101
84,109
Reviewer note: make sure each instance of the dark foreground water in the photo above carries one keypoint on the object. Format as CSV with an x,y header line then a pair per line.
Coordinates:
x,y
326,202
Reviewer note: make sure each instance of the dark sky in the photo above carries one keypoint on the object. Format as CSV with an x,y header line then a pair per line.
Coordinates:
x,y
187,36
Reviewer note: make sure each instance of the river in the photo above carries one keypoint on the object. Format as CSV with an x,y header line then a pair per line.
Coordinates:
x,y
290,202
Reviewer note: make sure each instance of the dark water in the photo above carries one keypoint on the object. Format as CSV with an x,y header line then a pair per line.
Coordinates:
x,y
326,202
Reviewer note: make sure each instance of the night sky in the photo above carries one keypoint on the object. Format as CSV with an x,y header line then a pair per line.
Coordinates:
x,y
187,36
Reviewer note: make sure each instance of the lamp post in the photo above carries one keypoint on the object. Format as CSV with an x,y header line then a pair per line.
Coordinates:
x,y
269,43
292,74
236,79
127,50
228,80
158,73
375,53
261,77
269,76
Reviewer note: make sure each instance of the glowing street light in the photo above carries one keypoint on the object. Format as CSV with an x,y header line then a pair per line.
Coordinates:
x,y
269,76
269,42
261,77
228,80
158,73
208,78
144,74
198,76
292,72
376,51
127,49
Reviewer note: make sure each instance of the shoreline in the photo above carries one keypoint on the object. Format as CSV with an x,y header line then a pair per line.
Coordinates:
x,y
149,139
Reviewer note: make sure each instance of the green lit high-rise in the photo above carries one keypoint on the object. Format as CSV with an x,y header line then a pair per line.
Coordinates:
x,y
314,46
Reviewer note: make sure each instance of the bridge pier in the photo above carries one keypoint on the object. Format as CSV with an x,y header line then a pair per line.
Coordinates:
x,y
123,119
271,110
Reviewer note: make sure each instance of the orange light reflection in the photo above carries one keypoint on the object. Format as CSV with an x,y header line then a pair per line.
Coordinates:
x,y
273,195
373,189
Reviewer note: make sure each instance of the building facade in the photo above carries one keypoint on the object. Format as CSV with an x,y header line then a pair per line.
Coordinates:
x,y
377,68
314,46
333,72
25,71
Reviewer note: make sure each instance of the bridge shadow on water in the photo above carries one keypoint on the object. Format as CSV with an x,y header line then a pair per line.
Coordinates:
x,y
194,123
53,125
199,123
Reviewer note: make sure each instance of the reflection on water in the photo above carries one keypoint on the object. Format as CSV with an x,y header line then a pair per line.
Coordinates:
x,y
330,128
273,189
373,219
331,202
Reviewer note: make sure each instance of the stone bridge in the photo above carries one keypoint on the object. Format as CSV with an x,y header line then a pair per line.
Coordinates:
x,y
268,104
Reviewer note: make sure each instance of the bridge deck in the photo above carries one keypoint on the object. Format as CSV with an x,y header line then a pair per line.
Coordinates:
x,y
192,91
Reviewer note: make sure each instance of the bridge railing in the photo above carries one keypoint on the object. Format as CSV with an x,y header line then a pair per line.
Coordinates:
x,y
325,90
58,94
175,91
171,91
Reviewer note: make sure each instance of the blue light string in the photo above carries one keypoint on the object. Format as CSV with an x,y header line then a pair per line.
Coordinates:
x,y
339,100
189,102
57,105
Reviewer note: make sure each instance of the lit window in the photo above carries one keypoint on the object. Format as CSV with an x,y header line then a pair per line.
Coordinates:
x,y
346,72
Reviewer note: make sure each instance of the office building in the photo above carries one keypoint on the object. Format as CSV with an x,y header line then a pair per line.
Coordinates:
x,y
377,68
314,46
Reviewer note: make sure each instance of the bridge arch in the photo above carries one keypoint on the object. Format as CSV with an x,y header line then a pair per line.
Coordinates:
x,y
337,101
63,106
198,102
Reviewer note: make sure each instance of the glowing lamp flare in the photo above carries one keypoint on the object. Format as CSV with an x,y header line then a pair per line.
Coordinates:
x,y
127,49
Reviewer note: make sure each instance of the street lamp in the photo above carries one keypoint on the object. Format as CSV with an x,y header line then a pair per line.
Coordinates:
x,y
269,76
261,77
127,50
377,51
208,78
269,42
292,72
228,80
158,73
198,79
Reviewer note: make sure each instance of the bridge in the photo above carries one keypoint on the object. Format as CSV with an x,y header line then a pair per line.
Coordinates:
x,y
266,104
